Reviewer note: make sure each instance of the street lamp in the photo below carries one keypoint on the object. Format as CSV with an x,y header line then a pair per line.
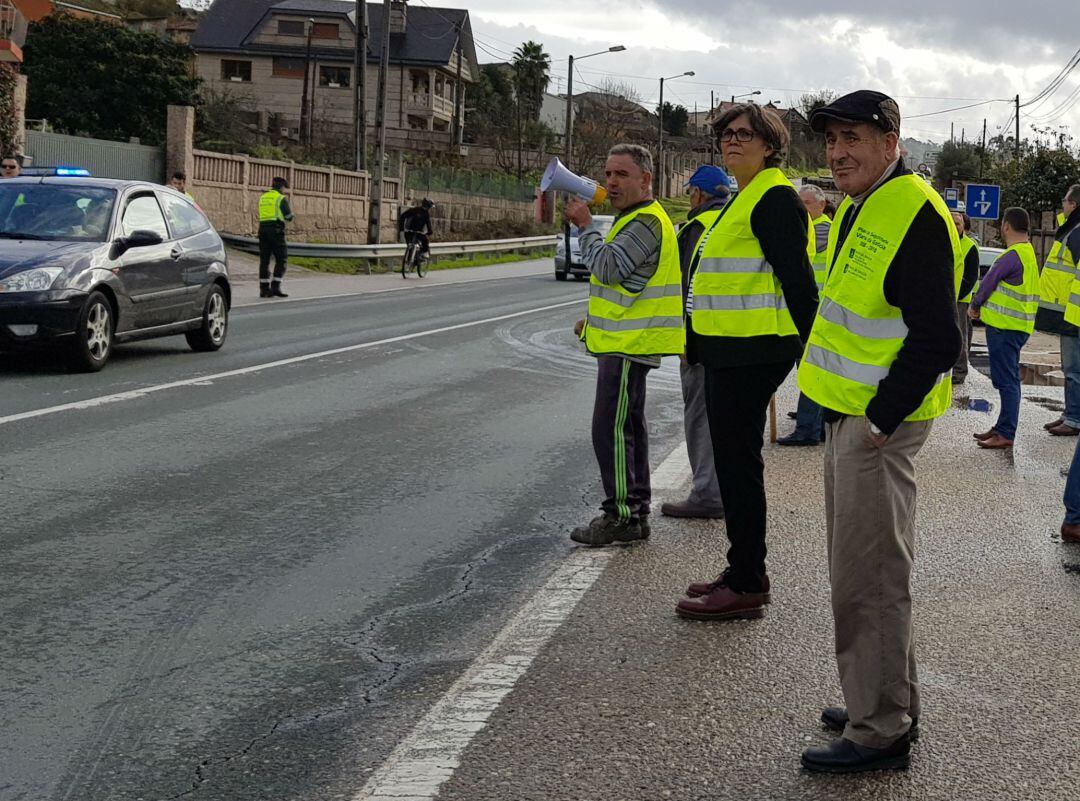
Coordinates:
x,y
747,94
568,139
660,140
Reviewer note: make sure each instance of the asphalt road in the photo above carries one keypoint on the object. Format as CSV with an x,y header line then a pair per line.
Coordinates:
x,y
250,584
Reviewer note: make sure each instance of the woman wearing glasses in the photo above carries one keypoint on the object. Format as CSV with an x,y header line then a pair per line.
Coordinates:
x,y
751,306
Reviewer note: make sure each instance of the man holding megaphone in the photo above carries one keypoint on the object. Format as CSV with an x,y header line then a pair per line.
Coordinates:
x,y
635,318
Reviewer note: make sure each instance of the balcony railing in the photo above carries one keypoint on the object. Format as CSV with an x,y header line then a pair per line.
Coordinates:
x,y
425,101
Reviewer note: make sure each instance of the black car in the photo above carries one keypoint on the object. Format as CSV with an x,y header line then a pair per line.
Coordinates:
x,y
87,262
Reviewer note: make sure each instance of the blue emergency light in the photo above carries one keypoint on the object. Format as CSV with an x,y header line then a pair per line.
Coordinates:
x,y
72,172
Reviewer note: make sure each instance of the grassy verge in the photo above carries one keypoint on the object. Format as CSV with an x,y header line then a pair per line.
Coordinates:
x,y
354,266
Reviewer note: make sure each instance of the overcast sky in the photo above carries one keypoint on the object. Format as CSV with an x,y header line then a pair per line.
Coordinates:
x,y
929,55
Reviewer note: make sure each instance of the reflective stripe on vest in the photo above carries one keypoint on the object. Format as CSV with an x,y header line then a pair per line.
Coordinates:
x,y
270,206
817,257
857,333
1012,307
645,323
736,293
1059,279
967,244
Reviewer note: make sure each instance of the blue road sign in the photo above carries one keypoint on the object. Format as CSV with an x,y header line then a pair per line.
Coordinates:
x,y
983,201
952,198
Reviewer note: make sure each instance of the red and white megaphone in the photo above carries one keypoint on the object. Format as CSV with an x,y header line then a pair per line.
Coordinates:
x,y
559,179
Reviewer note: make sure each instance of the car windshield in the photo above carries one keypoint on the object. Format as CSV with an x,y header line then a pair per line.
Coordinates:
x,y
55,212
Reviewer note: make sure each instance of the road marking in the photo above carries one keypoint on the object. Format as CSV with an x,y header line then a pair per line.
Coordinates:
x,y
362,292
432,751
203,380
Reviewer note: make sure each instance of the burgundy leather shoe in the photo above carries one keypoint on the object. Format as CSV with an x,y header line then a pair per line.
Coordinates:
x,y
1064,430
985,435
1070,532
995,442
723,603
699,588
1054,423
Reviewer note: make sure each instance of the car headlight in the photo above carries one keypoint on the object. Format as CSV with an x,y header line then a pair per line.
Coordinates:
x,y
36,280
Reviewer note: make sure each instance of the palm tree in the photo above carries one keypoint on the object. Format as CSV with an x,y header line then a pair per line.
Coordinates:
x,y
531,65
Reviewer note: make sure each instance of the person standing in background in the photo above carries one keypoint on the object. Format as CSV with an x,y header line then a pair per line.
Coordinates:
x,y
1006,302
710,189
1056,284
970,253
274,212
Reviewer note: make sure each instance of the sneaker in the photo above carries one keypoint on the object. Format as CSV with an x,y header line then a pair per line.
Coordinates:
x,y
605,529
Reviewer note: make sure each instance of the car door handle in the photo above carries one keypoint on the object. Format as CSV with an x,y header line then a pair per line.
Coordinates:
x,y
176,253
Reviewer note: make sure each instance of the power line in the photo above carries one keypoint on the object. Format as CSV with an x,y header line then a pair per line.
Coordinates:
x,y
957,108
1057,80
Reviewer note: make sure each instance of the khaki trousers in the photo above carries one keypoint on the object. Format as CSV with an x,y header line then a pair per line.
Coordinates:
x,y
870,516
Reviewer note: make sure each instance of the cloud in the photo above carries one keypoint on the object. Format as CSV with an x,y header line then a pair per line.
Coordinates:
x,y
927,54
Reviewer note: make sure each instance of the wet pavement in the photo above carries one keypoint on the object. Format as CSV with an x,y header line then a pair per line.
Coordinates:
x,y
630,702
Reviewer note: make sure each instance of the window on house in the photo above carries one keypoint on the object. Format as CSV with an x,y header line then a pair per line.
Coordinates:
x,y
235,70
291,27
285,67
334,76
324,30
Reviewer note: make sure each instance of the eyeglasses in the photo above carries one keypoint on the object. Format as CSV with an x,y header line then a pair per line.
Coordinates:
x,y
9,166
741,135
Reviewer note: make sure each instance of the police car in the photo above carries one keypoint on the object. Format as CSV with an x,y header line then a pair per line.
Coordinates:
x,y
86,263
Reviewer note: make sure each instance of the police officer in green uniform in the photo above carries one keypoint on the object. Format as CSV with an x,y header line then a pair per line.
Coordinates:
x,y
274,212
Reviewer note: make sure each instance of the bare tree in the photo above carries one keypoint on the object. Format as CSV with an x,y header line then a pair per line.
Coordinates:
x,y
609,114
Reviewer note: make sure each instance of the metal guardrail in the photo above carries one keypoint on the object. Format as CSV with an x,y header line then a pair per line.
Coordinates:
x,y
395,250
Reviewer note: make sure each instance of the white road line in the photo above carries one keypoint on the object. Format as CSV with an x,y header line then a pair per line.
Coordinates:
x,y
432,751
363,292
135,394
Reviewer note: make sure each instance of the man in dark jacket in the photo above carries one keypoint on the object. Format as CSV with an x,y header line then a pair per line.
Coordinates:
x,y
710,189
877,361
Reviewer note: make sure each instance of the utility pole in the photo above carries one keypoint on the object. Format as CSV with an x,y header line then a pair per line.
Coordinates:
x,y
952,132
708,122
517,105
376,193
568,135
456,137
963,131
305,110
1016,146
982,150
360,85
660,174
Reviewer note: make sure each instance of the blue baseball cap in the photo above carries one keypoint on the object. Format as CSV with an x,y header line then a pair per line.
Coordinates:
x,y
711,180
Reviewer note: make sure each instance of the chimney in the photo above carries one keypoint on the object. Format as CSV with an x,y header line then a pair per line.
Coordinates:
x,y
398,14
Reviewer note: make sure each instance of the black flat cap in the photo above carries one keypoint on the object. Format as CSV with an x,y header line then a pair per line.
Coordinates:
x,y
864,105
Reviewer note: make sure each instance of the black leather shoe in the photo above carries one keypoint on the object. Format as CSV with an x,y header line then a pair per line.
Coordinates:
x,y
791,439
264,292
835,719
275,290
845,756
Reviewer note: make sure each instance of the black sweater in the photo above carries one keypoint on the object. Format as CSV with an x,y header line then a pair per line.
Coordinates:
x,y
779,221
921,283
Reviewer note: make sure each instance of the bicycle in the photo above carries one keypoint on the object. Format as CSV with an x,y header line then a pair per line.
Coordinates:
x,y
413,260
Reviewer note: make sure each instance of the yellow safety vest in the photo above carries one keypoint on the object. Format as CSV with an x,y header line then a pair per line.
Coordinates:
x,y
1058,275
736,292
857,333
270,207
967,244
1012,307
645,323
817,257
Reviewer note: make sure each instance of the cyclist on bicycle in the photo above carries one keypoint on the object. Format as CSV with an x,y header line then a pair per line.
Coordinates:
x,y
415,223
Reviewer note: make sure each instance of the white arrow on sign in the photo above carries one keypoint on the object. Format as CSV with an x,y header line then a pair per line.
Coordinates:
x,y
983,204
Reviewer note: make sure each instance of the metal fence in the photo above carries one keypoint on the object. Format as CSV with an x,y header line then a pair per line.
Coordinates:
x,y
103,158
422,180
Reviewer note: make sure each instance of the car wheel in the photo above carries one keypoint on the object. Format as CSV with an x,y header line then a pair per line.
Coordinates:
x,y
210,335
93,341
560,276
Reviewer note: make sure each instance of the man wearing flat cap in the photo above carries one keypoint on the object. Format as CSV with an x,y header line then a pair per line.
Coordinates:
x,y
877,361
710,189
